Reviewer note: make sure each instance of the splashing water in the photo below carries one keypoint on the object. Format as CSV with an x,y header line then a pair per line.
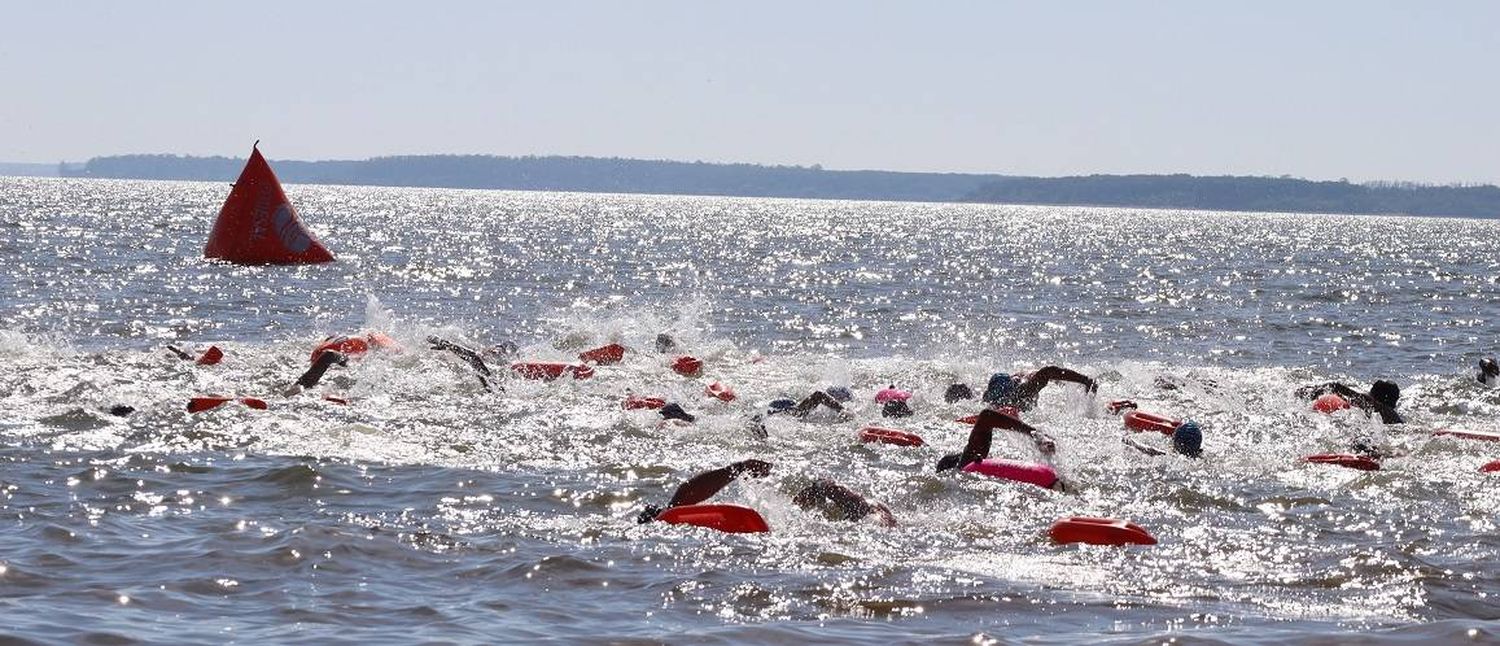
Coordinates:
x,y
433,508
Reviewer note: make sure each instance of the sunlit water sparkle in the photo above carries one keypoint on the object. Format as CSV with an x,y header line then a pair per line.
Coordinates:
x,y
429,509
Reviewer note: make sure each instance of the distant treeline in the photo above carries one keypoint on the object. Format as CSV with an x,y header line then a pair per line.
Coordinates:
x,y
614,175
1244,194
587,174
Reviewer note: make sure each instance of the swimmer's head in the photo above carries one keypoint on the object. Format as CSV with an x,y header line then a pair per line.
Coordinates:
x,y
501,350
949,462
1488,369
1000,387
814,493
895,408
840,393
674,411
957,392
1187,439
648,514
665,343
1385,392
780,406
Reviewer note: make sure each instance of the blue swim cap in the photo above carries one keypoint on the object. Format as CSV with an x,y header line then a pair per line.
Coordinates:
x,y
1187,439
840,393
1000,386
782,405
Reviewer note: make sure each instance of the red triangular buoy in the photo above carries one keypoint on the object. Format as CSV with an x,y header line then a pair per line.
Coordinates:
x,y
258,226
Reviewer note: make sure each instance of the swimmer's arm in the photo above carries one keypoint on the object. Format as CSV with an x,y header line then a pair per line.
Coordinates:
x,y
466,354
325,361
812,401
1057,373
1148,450
180,354
978,447
470,356
1387,414
1318,390
1365,402
704,485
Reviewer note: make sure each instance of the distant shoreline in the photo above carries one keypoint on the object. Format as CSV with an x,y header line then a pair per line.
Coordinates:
x,y
615,175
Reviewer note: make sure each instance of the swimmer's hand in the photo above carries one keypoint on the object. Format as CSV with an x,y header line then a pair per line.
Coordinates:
x,y
1044,444
753,468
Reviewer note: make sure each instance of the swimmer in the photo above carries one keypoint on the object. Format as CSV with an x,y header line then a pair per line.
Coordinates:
x,y
1187,439
1489,371
957,392
704,485
835,501
978,446
893,402
471,357
326,359
675,411
811,404
838,502
1380,400
1021,391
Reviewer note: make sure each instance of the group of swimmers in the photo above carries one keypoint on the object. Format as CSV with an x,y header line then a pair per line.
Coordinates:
x,y
1004,396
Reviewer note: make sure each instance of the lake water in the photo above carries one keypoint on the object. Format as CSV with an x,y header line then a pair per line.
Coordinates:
x,y
430,510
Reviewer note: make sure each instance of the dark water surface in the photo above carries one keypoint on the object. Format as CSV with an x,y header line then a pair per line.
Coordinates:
x,y
430,510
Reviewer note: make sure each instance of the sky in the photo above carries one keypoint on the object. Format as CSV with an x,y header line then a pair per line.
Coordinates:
x,y
1364,90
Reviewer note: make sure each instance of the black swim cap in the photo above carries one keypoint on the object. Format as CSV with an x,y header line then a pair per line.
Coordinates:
x,y
1385,392
957,392
1187,439
895,408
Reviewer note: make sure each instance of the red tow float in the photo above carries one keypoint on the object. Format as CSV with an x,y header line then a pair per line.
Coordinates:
x,y
733,519
1350,460
1468,435
604,355
200,404
212,356
687,366
547,371
720,392
878,435
1137,420
1330,403
1099,531
637,403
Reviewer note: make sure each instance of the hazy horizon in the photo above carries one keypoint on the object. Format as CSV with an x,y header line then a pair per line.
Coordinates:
x,y
1363,91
